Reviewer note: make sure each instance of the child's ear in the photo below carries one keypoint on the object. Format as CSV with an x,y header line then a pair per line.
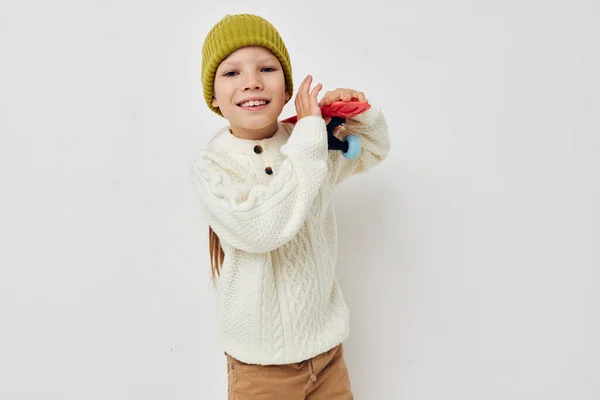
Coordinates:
x,y
215,103
287,96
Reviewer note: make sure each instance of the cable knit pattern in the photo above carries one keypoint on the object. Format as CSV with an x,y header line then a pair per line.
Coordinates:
x,y
272,344
279,299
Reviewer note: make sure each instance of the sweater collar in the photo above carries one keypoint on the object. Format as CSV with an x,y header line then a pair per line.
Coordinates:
x,y
224,140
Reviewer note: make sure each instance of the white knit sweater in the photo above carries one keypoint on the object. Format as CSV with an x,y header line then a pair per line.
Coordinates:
x,y
279,299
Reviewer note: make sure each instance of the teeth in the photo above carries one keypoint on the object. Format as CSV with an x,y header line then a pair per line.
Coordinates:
x,y
253,103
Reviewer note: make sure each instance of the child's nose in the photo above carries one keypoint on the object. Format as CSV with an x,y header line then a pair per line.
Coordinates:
x,y
254,82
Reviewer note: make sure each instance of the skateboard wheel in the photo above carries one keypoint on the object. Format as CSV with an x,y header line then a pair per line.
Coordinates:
x,y
354,147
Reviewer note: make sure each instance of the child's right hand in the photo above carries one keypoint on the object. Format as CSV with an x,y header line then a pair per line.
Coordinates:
x,y
306,103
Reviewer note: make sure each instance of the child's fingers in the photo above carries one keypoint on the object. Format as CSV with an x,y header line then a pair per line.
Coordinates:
x,y
314,104
343,95
302,85
325,101
316,91
360,96
306,99
308,82
302,92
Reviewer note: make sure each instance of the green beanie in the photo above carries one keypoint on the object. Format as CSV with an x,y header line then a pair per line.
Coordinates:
x,y
234,32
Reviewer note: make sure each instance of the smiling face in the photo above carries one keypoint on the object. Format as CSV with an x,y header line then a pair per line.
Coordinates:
x,y
250,91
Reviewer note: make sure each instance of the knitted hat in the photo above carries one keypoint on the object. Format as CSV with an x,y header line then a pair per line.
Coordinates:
x,y
234,32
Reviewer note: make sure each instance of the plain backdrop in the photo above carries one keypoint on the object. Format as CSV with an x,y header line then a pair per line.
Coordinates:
x,y
470,258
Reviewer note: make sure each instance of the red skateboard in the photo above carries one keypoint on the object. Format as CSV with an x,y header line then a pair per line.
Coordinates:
x,y
338,111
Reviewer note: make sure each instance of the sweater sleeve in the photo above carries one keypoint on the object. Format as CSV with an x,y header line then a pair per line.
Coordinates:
x,y
371,128
258,218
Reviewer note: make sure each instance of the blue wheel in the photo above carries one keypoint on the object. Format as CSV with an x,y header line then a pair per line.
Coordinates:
x,y
354,147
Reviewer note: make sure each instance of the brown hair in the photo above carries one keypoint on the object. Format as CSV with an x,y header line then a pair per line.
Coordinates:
x,y
217,255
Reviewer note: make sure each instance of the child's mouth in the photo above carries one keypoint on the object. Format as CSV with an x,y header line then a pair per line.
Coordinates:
x,y
254,104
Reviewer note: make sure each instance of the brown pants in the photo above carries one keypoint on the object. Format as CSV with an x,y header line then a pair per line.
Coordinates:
x,y
324,377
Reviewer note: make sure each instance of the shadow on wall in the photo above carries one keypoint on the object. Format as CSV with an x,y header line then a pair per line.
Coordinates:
x,y
371,273
369,242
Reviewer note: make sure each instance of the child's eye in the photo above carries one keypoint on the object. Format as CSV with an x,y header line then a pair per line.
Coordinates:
x,y
268,69
230,73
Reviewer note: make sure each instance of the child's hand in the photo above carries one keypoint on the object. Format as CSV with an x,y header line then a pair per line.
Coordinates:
x,y
341,94
306,103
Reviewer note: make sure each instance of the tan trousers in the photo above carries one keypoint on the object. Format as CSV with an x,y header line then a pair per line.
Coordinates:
x,y
324,377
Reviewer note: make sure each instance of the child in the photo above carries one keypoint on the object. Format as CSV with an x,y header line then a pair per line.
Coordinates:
x,y
266,191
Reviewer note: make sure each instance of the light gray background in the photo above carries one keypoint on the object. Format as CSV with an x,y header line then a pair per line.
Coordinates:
x,y
469,258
